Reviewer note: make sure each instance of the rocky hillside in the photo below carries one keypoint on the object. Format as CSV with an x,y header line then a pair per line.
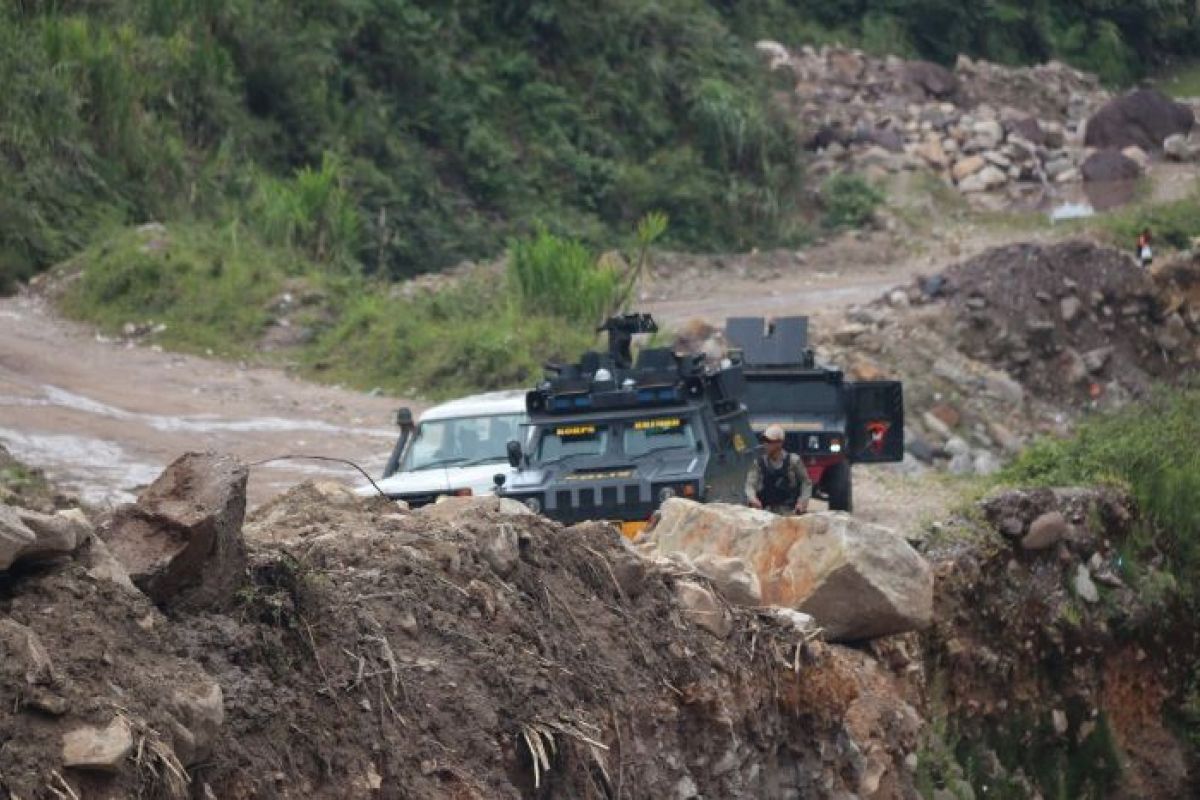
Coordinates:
x,y
1000,135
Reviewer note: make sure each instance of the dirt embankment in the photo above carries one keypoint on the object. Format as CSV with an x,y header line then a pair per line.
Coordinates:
x,y
1055,675
460,651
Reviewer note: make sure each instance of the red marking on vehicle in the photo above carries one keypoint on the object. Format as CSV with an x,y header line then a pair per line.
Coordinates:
x,y
878,430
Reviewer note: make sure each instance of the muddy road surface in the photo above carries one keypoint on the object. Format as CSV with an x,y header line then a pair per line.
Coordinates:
x,y
104,417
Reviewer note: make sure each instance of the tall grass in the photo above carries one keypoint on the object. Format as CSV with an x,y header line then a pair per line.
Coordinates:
x,y
312,211
550,275
210,287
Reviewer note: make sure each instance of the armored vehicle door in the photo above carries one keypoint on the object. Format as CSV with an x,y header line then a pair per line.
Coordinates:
x,y
733,450
876,421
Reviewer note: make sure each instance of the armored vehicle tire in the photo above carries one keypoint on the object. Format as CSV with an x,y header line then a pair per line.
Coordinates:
x,y
838,487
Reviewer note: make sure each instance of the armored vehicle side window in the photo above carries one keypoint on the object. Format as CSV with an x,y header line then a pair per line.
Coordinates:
x,y
789,397
572,439
644,436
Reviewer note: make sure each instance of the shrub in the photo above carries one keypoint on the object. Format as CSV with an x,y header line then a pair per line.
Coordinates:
x,y
849,201
311,211
1172,224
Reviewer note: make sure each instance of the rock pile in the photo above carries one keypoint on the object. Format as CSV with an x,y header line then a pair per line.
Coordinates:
x,y
1071,322
1020,341
982,127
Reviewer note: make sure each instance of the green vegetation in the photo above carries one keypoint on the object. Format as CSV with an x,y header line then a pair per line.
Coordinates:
x,y
395,136
405,135
1149,448
22,485
849,201
1121,40
211,288
220,290
1180,81
1173,224
556,277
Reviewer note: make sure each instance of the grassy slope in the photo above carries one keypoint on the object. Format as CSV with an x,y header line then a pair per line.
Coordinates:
x,y
218,290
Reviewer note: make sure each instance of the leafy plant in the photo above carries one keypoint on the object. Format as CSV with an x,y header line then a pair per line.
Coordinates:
x,y
849,201
556,276
312,211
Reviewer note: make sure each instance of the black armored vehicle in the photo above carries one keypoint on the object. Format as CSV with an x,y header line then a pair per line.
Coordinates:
x,y
612,439
831,422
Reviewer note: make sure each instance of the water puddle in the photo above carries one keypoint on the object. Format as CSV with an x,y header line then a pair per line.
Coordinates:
x,y
1067,211
1088,199
100,472
197,423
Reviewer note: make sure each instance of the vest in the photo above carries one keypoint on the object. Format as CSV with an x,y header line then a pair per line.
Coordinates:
x,y
778,488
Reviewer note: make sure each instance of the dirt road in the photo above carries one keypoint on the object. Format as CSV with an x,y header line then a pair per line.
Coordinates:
x,y
103,418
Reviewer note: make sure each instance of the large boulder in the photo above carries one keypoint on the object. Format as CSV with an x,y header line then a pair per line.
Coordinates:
x,y
935,80
1109,165
859,581
1144,117
181,542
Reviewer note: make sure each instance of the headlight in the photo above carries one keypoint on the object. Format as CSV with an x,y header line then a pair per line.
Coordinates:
x,y
533,504
665,494
835,448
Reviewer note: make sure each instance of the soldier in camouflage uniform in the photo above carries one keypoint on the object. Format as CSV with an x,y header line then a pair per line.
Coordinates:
x,y
778,480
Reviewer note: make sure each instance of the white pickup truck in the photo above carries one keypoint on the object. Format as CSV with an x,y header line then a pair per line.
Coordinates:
x,y
456,448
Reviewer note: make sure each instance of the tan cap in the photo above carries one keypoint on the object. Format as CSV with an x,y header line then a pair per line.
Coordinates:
x,y
773,433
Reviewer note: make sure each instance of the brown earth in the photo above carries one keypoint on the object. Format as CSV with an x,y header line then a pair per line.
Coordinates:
x,y
388,654
1035,311
373,652
1043,684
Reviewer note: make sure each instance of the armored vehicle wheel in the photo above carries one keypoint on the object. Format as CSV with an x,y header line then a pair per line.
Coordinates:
x,y
838,487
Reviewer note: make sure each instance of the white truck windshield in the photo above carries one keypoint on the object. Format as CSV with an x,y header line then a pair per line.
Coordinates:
x,y
461,441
